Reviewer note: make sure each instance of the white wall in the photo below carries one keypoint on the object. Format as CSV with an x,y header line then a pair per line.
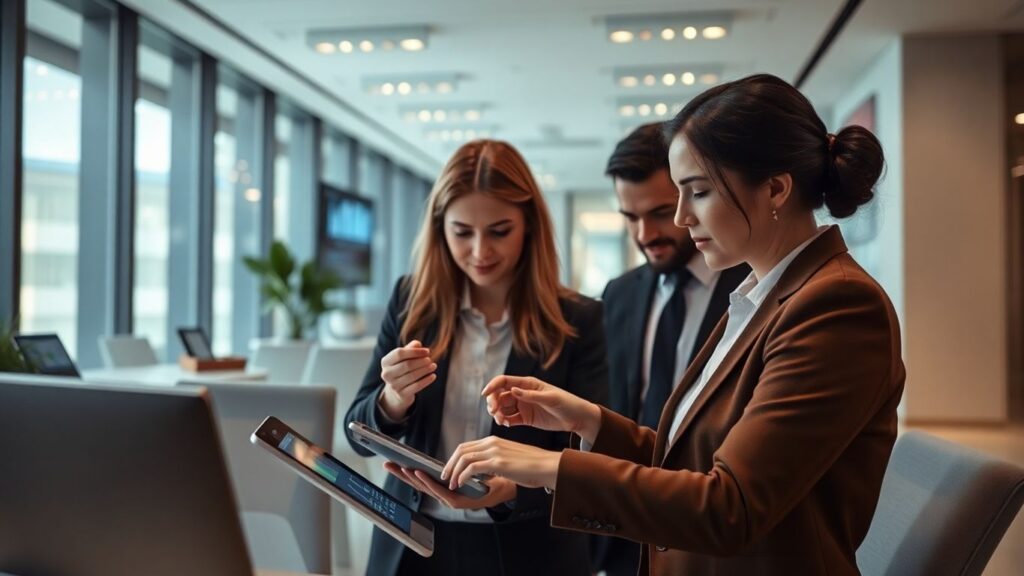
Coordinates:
x,y
882,257
955,228
941,248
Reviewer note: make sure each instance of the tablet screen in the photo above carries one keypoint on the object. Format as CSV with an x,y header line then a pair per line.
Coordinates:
x,y
328,468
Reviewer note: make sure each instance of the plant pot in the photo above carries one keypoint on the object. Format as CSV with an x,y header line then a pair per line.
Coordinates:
x,y
347,325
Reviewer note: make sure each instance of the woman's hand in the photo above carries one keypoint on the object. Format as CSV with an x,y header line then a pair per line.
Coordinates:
x,y
527,401
405,372
521,463
501,490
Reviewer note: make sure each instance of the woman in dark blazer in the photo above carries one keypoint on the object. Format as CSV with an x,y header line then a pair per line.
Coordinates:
x,y
769,456
484,300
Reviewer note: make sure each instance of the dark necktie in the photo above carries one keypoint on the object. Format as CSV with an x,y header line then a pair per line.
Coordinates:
x,y
663,356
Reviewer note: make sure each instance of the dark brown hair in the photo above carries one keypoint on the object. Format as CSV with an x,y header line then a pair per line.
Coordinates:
x,y
761,126
639,155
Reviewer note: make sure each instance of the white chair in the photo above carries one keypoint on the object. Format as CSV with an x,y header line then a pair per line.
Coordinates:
x,y
284,361
342,367
126,351
287,521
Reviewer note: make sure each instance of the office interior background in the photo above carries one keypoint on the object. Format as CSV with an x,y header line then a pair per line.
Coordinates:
x,y
146,146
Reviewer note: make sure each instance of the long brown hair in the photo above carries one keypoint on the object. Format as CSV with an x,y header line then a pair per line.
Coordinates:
x,y
496,169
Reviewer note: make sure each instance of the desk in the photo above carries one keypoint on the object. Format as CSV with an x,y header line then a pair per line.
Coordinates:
x,y
168,375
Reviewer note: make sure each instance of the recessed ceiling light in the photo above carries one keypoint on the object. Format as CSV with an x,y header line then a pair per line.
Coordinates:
x,y
644,109
650,80
405,84
408,38
668,79
472,115
714,24
1019,118
440,115
708,78
325,48
424,116
687,78
628,81
714,32
412,44
661,108
621,36
627,110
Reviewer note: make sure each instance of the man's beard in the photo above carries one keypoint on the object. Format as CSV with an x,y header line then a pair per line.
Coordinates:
x,y
683,251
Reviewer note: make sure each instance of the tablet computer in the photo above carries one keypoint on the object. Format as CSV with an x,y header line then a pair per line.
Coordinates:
x,y
45,354
345,485
196,344
406,457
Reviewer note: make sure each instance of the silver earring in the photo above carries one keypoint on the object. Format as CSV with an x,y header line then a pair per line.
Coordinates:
x,y
775,215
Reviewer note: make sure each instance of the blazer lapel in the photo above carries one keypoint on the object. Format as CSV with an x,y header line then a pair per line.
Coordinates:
x,y
517,365
646,283
828,245
728,280
430,400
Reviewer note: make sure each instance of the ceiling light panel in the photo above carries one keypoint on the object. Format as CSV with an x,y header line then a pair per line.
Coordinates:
x,y
649,107
674,27
409,84
365,40
443,113
680,75
460,135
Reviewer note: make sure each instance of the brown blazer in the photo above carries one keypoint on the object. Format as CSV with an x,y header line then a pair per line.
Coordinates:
x,y
777,467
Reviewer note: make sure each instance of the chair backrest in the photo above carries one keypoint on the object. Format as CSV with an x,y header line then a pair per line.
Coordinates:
x,y
272,497
342,368
283,361
126,351
113,480
943,510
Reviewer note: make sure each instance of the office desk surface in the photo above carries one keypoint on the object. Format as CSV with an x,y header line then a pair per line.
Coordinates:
x,y
167,375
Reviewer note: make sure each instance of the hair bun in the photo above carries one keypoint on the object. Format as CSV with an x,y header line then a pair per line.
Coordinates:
x,y
855,165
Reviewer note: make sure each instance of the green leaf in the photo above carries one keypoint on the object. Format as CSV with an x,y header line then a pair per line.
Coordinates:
x,y
281,261
257,266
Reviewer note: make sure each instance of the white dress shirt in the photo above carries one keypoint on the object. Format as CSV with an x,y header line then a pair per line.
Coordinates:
x,y
743,303
480,352
698,293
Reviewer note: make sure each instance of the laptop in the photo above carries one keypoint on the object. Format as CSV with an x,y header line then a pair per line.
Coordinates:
x,y
45,354
113,480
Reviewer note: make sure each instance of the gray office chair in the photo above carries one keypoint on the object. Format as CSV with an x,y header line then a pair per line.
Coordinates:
x,y
342,367
943,510
126,351
286,520
284,361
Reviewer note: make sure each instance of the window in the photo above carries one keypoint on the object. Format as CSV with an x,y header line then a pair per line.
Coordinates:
x,y
51,149
600,246
167,190
338,152
237,200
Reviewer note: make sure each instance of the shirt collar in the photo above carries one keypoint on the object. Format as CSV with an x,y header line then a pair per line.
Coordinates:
x,y
466,307
756,291
698,267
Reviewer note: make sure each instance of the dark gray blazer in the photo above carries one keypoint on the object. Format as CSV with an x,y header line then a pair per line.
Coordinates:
x,y
581,369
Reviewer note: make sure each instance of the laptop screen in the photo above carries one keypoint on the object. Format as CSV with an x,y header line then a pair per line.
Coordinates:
x,y
45,354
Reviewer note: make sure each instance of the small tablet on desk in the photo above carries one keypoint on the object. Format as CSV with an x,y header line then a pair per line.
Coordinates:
x,y
196,344
408,457
45,354
345,485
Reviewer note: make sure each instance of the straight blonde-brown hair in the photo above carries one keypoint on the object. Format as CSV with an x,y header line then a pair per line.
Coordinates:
x,y
495,169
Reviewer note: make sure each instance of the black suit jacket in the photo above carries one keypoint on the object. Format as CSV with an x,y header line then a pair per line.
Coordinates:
x,y
581,368
627,304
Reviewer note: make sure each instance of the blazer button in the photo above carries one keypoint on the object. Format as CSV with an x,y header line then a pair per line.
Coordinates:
x,y
660,548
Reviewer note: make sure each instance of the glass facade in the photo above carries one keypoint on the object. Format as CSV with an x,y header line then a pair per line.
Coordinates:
x,y
51,156
201,184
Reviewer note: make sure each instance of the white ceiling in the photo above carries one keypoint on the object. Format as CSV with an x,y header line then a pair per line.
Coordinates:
x,y
541,65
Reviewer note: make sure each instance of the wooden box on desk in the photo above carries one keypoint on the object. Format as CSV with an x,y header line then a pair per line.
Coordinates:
x,y
193,364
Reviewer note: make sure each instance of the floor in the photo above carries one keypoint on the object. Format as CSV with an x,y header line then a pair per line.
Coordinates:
x,y
1006,443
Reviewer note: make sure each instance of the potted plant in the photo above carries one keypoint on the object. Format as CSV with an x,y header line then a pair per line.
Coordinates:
x,y
10,358
303,300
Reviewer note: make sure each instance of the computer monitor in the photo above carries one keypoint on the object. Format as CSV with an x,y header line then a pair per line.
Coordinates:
x,y
345,237
113,480
45,354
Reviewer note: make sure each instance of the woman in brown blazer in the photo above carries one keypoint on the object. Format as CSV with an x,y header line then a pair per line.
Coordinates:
x,y
770,453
